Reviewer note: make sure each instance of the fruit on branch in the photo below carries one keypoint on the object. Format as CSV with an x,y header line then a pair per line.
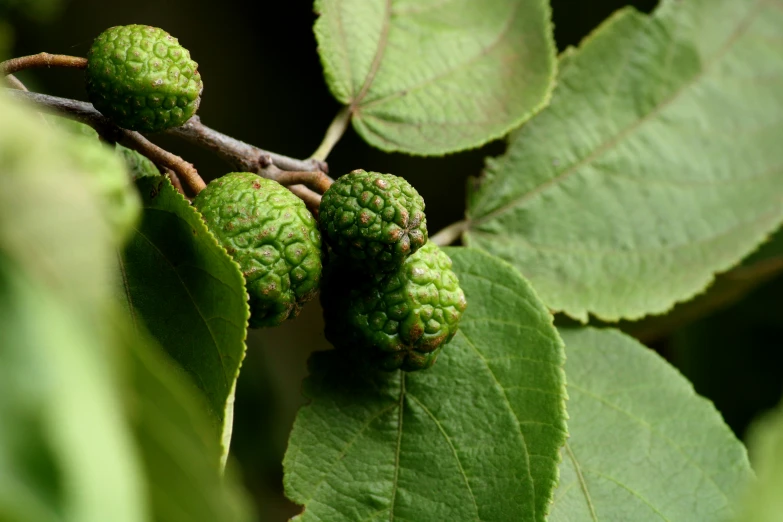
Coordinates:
x,y
272,236
400,319
374,220
142,78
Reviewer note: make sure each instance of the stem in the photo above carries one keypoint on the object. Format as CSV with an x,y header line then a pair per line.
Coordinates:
x,y
41,60
333,133
246,157
316,180
241,155
450,234
85,113
14,83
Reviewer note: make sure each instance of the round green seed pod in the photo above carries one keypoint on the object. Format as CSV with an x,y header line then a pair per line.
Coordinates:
x,y
142,78
272,236
374,220
397,320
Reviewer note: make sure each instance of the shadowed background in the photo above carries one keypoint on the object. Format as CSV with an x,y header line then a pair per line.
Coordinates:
x,y
263,84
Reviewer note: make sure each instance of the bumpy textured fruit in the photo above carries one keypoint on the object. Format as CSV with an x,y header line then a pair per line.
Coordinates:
x,y
375,220
142,78
398,320
272,236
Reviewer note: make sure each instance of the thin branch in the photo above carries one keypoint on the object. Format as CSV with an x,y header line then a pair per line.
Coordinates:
x,y
41,60
317,181
14,83
241,155
450,234
85,113
333,134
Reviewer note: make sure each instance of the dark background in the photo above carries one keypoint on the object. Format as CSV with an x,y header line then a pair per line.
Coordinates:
x,y
263,84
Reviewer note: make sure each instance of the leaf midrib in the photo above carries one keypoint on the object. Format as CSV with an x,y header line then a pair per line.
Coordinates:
x,y
618,138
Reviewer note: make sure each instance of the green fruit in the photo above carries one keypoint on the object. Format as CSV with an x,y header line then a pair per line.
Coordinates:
x,y
142,78
397,320
374,220
272,236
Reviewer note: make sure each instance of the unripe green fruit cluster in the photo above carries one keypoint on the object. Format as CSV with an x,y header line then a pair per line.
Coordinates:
x,y
142,78
272,236
389,296
396,318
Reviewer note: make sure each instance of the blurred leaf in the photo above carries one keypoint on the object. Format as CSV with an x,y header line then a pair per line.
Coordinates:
x,y
52,220
475,437
65,451
657,164
39,10
73,382
56,375
429,77
763,501
642,444
190,294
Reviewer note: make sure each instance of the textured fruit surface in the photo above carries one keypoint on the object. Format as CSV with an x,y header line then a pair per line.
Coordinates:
x,y
142,78
397,320
375,220
272,236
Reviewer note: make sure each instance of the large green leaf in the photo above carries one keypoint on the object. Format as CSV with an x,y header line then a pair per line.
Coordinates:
x,y
189,293
642,444
430,77
657,164
474,438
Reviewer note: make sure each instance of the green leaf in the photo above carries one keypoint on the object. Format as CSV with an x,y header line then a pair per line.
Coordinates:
x,y
656,165
762,501
476,437
642,444
189,293
430,77
759,268
181,456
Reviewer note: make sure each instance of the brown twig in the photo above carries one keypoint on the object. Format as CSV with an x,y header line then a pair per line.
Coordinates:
x,y
42,60
14,83
315,180
85,113
241,155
